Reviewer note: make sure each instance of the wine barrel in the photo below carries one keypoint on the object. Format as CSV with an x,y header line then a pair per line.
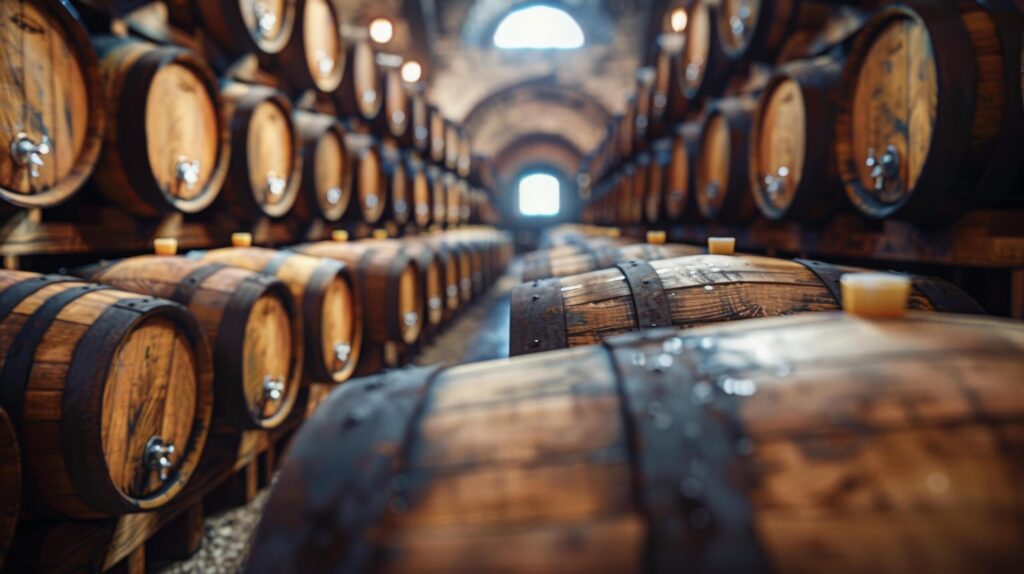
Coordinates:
x,y
10,484
111,394
247,26
680,198
420,190
438,194
626,128
325,190
396,184
436,127
757,29
456,270
165,144
638,195
452,144
314,57
455,200
394,121
51,108
668,106
703,68
325,297
595,256
418,134
464,169
368,178
792,172
249,319
360,91
430,272
266,167
930,121
722,190
642,117
654,196
730,449
687,292
388,288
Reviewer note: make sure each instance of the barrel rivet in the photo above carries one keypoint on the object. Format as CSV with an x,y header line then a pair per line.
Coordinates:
x,y
535,297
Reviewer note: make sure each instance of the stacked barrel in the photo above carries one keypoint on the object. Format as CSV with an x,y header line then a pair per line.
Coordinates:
x,y
798,110
250,110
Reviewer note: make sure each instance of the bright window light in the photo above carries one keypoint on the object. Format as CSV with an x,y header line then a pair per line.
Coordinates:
x,y
539,194
538,27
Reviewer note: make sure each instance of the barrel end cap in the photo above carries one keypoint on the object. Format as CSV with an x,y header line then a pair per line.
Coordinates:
x,y
879,295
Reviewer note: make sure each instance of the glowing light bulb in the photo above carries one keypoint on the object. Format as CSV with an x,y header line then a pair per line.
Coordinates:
x,y
411,72
381,30
677,19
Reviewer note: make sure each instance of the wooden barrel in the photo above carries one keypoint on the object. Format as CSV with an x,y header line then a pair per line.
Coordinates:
x,y
750,444
388,288
687,292
397,180
165,143
418,134
654,195
394,121
668,106
642,117
594,256
626,126
111,394
722,183
266,167
10,483
455,199
244,26
430,272
360,91
52,118
325,297
758,29
456,270
325,190
792,172
680,198
368,178
314,57
436,129
452,145
438,194
638,190
420,190
930,122
464,169
703,68
249,319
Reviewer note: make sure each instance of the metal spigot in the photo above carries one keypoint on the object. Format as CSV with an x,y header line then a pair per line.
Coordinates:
x,y
27,153
273,388
371,201
776,184
885,168
275,184
324,63
187,172
265,19
342,351
711,189
411,318
158,456
738,22
370,97
334,195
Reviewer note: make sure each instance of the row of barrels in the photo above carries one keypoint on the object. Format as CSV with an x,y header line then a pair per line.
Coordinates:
x,y
919,116
164,134
875,439
113,374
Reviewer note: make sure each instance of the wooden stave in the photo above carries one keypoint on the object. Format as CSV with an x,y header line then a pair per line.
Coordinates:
x,y
226,25
66,471
602,303
180,280
239,103
307,278
354,100
595,257
747,441
85,162
121,176
10,484
983,182
820,191
312,203
292,61
367,195
737,204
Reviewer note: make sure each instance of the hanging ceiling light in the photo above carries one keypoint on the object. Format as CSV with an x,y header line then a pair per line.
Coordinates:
x,y
381,30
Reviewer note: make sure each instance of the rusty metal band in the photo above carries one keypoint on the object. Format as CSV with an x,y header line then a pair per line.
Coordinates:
x,y
538,318
191,283
829,276
649,298
686,447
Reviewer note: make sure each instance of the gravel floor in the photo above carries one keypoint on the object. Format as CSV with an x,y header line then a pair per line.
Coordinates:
x,y
477,334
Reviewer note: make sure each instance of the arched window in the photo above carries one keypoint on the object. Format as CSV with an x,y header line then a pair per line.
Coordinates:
x,y
539,27
539,195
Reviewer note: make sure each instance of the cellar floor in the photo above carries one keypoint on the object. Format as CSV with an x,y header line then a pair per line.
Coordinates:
x,y
479,333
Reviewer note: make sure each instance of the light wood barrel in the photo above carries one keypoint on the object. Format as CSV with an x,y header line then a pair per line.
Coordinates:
x,y
417,136
722,182
397,184
10,484
930,121
680,198
792,171
394,120
587,257
455,199
420,190
243,26
368,178
266,167
51,108
314,57
758,29
326,184
430,272
99,383
249,319
464,168
360,91
456,270
452,145
881,444
687,292
325,297
436,129
438,194
703,68
389,289
165,144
